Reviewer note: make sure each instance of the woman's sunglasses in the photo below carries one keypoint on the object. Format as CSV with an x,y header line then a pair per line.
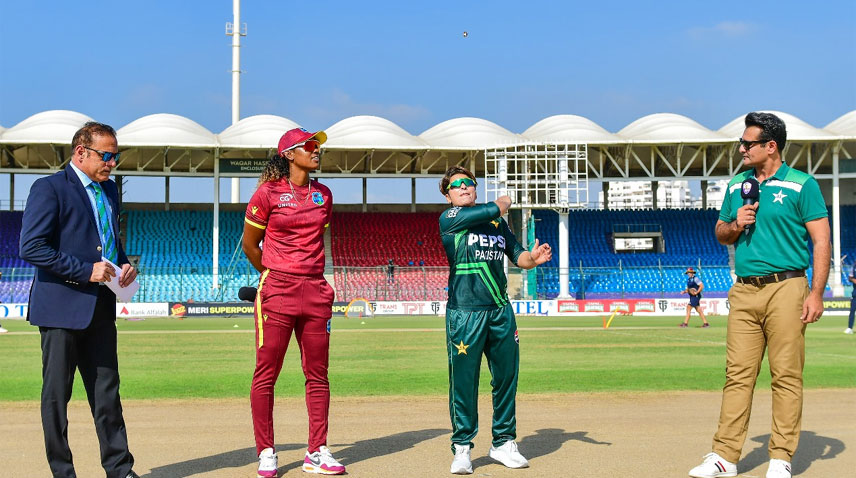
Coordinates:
x,y
309,146
461,183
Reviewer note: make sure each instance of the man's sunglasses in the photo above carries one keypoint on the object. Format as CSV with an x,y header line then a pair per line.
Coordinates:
x,y
309,146
461,183
747,145
106,156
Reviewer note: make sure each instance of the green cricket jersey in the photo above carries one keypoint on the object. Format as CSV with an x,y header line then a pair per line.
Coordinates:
x,y
778,240
476,239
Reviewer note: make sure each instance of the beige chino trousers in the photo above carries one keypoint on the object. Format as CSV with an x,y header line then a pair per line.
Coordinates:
x,y
765,317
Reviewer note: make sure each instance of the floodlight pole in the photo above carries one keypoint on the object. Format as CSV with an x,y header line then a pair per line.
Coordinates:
x,y
236,31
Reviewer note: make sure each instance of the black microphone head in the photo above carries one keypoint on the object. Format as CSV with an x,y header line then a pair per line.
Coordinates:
x,y
749,188
247,293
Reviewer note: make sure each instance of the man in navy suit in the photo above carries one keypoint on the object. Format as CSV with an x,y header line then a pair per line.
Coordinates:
x,y
69,226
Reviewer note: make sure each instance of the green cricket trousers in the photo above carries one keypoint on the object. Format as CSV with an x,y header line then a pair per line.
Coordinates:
x,y
469,333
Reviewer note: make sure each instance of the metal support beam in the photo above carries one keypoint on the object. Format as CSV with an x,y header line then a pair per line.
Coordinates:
x,y
564,289
412,194
837,286
215,233
365,195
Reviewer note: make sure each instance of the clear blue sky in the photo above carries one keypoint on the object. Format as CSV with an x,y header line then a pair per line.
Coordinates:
x,y
320,62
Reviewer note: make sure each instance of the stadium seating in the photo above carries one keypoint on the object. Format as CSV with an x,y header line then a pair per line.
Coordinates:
x,y
369,240
174,250
687,235
10,232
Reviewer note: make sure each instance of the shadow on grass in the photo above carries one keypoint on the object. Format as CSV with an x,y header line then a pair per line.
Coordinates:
x,y
544,442
350,454
812,447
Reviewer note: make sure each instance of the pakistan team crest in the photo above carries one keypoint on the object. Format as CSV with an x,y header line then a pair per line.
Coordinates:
x,y
317,198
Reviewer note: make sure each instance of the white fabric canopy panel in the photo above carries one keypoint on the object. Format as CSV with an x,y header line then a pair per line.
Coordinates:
x,y
165,129
844,125
570,129
47,127
468,134
371,132
798,130
256,132
669,128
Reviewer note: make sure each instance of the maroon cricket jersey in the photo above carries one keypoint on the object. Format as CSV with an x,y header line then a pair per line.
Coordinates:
x,y
294,222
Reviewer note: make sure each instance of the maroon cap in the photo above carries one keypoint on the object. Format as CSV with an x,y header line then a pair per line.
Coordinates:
x,y
296,136
690,270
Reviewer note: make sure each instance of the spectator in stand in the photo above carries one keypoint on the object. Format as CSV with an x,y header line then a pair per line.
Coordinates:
x,y
390,272
694,288
290,212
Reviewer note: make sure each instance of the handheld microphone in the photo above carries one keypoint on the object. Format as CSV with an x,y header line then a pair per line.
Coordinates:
x,y
247,294
749,191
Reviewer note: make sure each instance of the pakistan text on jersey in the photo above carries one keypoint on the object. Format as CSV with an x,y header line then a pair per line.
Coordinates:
x,y
489,255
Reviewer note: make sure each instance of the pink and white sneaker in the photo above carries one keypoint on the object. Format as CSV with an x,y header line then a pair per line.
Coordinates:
x,y
322,462
267,463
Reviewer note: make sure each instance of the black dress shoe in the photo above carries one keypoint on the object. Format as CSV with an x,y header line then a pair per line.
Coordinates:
x,y
131,474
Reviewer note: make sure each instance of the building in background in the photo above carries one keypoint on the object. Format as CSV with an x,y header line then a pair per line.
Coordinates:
x,y
670,195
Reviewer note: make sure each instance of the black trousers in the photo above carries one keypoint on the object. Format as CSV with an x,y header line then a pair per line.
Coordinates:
x,y
93,352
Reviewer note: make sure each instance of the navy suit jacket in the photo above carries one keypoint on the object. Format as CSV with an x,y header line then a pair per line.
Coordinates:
x,y
60,238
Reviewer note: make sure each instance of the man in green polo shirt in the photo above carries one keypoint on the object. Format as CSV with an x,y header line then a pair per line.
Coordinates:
x,y
479,319
771,304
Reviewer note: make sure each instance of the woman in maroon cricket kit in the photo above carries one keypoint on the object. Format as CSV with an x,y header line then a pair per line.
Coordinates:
x,y
290,212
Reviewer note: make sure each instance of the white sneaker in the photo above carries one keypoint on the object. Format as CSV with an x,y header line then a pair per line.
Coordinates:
x,y
779,469
508,455
848,330
322,462
267,463
714,466
3,331
461,465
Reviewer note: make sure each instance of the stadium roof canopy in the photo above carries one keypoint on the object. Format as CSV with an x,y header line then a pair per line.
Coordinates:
x,y
660,146
844,125
165,130
798,130
468,134
570,129
371,132
256,132
663,128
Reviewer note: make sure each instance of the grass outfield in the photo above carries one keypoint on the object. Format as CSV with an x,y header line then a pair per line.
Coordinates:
x,y
214,358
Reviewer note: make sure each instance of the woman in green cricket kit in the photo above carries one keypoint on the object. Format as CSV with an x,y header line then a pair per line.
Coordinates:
x,y
479,318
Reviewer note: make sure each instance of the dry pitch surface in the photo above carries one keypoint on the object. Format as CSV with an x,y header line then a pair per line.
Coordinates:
x,y
577,435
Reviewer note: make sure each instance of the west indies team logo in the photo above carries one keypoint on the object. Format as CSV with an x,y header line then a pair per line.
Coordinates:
x,y
317,198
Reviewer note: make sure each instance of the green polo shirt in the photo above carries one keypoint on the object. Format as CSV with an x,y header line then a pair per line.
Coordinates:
x,y
778,241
